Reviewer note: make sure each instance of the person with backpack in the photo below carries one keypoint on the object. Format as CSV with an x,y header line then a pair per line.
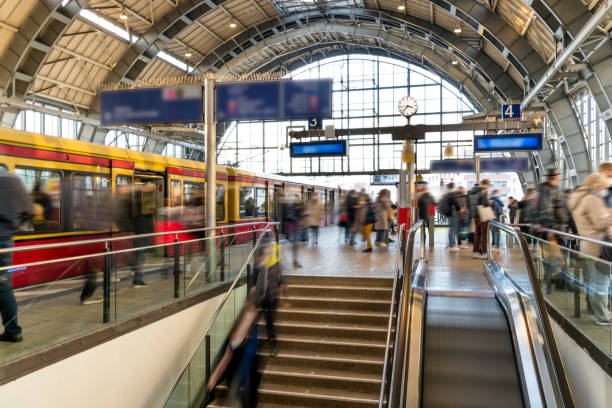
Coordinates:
x,y
450,208
498,209
477,197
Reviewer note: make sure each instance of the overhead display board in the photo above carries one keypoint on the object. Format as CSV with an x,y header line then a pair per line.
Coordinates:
x,y
318,149
384,179
487,165
172,104
274,100
508,143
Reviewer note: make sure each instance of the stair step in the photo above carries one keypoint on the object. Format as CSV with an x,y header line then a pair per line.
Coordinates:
x,y
325,330
302,396
341,362
330,316
337,280
325,379
338,303
368,349
340,291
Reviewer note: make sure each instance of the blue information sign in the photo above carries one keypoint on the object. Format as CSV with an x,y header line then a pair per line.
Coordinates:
x,y
173,104
274,100
511,111
315,123
317,149
488,165
508,143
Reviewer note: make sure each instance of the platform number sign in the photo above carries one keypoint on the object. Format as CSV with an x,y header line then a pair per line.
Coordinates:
x,y
511,111
315,123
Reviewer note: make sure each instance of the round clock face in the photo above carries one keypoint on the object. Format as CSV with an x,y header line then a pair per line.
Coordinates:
x,y
407,106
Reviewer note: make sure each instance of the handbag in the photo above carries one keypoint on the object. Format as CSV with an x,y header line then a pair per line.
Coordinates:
x,y
485,213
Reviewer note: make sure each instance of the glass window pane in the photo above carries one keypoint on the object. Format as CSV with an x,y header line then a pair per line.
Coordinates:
x,y
247,202
90,195
45,190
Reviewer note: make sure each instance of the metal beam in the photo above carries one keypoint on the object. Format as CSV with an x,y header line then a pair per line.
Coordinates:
x,y
66,85
131,11
208,30
582,35
82,57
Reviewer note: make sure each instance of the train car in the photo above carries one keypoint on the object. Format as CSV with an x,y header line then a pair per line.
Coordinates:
x,y
66,177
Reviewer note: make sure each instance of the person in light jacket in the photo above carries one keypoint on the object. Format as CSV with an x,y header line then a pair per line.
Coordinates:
x,y
594,220
381,207
313,212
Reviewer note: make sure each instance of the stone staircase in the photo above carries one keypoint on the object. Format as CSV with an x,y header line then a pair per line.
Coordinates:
x,y
331,344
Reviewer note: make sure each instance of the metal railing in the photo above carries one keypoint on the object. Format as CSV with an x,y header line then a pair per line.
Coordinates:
x,y
401,331
125,237
383,382
540,304
214,316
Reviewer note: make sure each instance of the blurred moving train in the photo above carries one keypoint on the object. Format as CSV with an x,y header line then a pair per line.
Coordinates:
x,y
69,174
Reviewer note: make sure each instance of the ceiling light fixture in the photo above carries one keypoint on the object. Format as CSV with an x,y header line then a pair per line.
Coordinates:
x,y
454,62
188,54
401,7
457,29
233,25
123,16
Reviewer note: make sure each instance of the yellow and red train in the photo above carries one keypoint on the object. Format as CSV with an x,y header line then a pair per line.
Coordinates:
x,y
68,172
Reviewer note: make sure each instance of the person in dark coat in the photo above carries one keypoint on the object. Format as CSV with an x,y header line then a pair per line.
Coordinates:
x,y
478,196
424,204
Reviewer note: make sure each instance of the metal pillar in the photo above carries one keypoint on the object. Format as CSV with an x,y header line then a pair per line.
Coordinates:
x,y
477,167
411,186
211,171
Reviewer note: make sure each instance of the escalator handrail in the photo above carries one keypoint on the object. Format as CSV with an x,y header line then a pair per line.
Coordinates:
x,y
401,329
566,393
217,311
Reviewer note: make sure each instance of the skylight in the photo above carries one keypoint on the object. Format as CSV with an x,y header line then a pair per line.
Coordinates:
x,y
117,30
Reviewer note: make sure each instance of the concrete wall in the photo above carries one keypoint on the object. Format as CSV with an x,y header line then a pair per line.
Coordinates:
x,y
590,384
133,370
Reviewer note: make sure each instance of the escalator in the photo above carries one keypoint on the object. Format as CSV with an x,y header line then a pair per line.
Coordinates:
x,y
476,337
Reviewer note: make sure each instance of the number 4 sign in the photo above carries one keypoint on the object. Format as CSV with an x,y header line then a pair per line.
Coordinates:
x,y
511,111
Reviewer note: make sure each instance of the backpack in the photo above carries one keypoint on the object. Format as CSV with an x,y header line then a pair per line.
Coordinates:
x,y
473,200
445,205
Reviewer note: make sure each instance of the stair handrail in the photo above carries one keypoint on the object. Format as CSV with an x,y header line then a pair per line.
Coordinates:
x,y
549,338
391,309
216,313
402,314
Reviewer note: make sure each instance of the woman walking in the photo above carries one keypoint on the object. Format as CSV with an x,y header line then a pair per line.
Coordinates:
x,y
382,206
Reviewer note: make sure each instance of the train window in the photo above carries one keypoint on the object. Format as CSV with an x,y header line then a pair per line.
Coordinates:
x,y
220,199
124,180
247,202
90,195
193,193
3,166
45,189
260,202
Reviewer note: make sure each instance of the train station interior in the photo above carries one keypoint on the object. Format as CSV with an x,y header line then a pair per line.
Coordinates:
x,y
306,203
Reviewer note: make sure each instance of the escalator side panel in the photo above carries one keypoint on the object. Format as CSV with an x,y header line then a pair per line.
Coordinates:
x,y
468,358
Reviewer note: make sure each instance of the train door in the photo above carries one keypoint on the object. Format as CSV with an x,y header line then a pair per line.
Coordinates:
x,y
148,194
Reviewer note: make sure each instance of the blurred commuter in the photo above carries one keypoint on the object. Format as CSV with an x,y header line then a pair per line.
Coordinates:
x,y
361,212
43,199
478,202
313,212
606,169
368,223
464,218
382,208
450,208
498,209
424,204
594,220
512,210
526,209
15,209
293,218
352,204
550,210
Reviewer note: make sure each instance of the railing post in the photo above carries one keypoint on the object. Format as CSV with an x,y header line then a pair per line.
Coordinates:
x,y
576,279
254,235
106,287
177,267
207,354
222,258
248,277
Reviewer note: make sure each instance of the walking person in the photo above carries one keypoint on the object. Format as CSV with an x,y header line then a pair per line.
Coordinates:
x,y
450,208
477,201
424,204
292,223
15,209
313,212
368,223
594,220
464,218
352,204
498,210
512,210
381,208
